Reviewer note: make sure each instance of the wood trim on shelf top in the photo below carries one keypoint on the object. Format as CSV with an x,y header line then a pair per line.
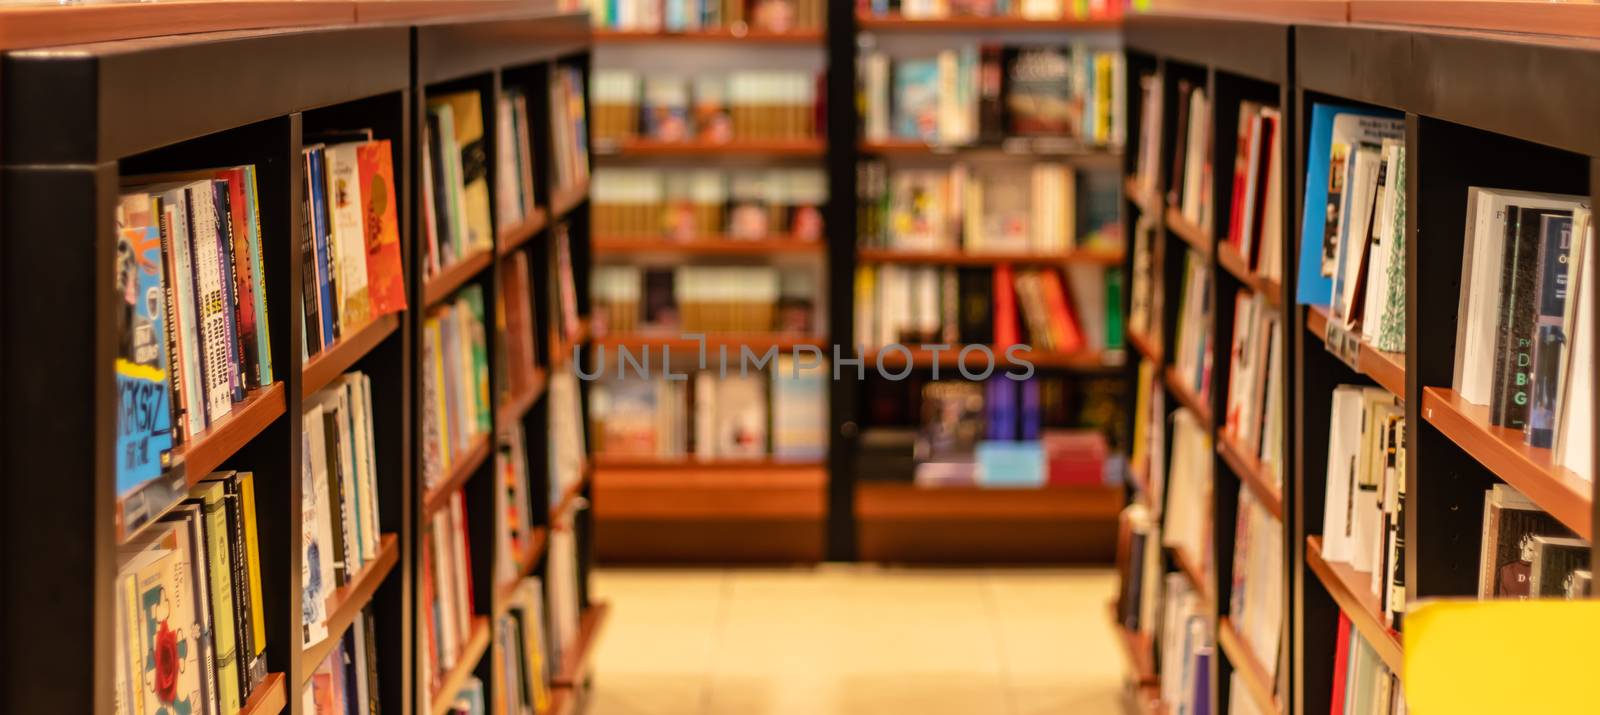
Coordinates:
x,y
902,501
1557,490
613,246
1246,664
690,346
1234,263
1198,238
29,26
345,603
958,257
1186,395
441,700
1082,361
1385,368
1204,35
201,456
466,465
868,21
1250,471
513,237
575,656
750,36
1192,571
1351,589
326,366
1060,149
440,286
269,698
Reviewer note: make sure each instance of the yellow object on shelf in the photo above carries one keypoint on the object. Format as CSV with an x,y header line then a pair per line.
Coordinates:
x,y
1465,657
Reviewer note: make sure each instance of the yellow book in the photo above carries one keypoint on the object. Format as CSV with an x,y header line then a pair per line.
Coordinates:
x,y
467,110
247,495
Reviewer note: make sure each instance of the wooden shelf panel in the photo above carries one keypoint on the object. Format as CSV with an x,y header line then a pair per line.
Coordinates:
x,y
1187,397
345,604
762,37
1138,651
1557,490
1351,590
1058,148
1386,369
687,490
471,653
449,279
778,148
680,345
467,464
515,406
269,698
566,198
1132,188
704,246
326,366
1144,346
29,26
1247,666
1197,238
976,361
511,238
1099,257
1250,471
576,656
897,23
201,456
1548,18
1270,10
1191,569
889,501
1233,262
527,560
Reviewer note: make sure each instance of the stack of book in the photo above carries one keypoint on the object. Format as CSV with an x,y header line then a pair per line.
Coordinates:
x,y
1254,418
695,15
339,498
445,597
455,181
192,335
1362,682
1526,553
455,383
1078,310
1024,9
515,324
1524,291
677,205
513,186
1191,155
986,93
782,415
738,106
569,129
1148,161
346,682
988,207
1255,604
188,615
1352,257
1187,518
704,299
1147,456
1255,219
1192,354
1363,518
995,434
524,671
513,498
1187,652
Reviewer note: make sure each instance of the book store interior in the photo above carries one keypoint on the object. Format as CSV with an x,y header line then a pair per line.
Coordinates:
x,y
798,357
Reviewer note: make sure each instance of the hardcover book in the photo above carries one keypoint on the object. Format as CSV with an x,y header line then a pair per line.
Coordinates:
x,y
144,422
380,208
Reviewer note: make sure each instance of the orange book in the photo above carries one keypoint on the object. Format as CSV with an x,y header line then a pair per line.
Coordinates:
x,y
1062,322
386,285
1005,308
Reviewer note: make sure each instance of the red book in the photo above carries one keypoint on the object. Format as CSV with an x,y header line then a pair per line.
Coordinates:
x,y
386,284
1074,458
243,283
1005,308
1341,662
1265,134
1061,317
466,556
1241,168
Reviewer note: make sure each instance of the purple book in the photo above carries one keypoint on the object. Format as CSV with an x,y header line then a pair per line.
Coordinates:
x,y
1001,400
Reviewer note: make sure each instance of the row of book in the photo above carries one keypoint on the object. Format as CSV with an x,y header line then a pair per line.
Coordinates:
x,y
1256,596
1253,420
192,333
1191,356
455,383
525,669
782,415
631,298
1187,650
1362,682
346,682
516,345
1255,215
1191,191
1025,9
1186,524
455,180
189,628
984,93
739,105
445,596
678,205
1144,290
568,446
1363,520
1043,308
693,15
513,182
1526,553
350,239
569,128
514,500
1352,256
339,500
986,206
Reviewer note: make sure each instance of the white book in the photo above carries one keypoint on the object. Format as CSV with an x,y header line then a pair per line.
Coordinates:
x,y
705,415
1344,442
1360,188
439,540
316,558
1195,156
1575,425
347,237
875,67
213,322
1087,287
458,512
338,403
175,208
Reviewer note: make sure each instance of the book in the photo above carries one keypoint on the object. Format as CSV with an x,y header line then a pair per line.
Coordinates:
x,y
1555,563
1510,523
466,114
385,275
1334,129
347,234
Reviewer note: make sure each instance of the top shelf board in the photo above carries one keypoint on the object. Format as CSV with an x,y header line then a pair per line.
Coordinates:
x,y
899,23
1256,48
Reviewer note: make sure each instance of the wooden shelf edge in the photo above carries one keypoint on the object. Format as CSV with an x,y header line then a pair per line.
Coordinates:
x,y
792,37
1187,397
902,501
575,658
755,341
1260,10
1249,471
514,237
270,697
439,495
1355,600
326,366
451,278
1234,263
564,199
518,405
32,26
894,22
1058,149
1385,368
1083,360
704,246
1133,189
346,603
1191,571
1247,664
1195,236
603,462
1565,19
1089,256
569,496
776,148
1143,346
450,684
527,561
201,456
1557,490
1137,650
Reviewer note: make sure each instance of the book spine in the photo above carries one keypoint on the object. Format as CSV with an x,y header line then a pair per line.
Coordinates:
x,y
309,266
1517,322
209,301
327,264
1543,371
337,506
252,669
252,554
244,266
258,278
228,279
223,630
174,347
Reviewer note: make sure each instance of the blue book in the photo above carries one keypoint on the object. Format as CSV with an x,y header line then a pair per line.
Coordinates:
x,y
1000,403
916,100
1031,425
319,225
1550,339
1202,683
144,393
1317,247
1011,464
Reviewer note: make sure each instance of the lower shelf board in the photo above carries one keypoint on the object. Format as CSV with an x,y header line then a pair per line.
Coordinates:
x,y
1138,651
472,652
902,522
345,604
1249,668
1351,589
269,698
689,491
575,658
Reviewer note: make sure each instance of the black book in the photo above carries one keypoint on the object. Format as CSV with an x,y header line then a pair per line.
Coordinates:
x,y
976,312
887,455
441,187
1550,340
1038,92
253,668
308,264
660,301
336,496
369,643
991,94
1133,580
240,369
1180,143
1514,341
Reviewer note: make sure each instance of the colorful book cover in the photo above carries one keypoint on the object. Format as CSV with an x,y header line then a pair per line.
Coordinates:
x,y
916,95
467,123
1038,92
1540,388
222,217
244,268
1319,217
347,234
257,276
310,304
386,284
170,678
144,415
210,497
1010,464
322,243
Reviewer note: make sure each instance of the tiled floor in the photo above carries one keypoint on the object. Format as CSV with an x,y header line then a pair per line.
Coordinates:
x,y
854,640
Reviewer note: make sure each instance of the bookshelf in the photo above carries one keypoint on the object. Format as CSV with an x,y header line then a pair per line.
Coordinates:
x,y
75,125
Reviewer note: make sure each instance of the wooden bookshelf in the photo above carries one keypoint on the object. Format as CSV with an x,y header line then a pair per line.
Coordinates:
x,y
620,246
1558,490
512,238
1144,346
563,199
466,464
1093,256
897,500
976,362
699,37
466,663
513,407
758,342
1385,368
1247,666
269,698
1186,396
576,656
1234,263
1281,10
1138,651
1250,471
1197,238
1351,589
1071,151
336,359
1133,191
900,521
1192,570
444,284
775,148
897,23
686,489
201,456
345,603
